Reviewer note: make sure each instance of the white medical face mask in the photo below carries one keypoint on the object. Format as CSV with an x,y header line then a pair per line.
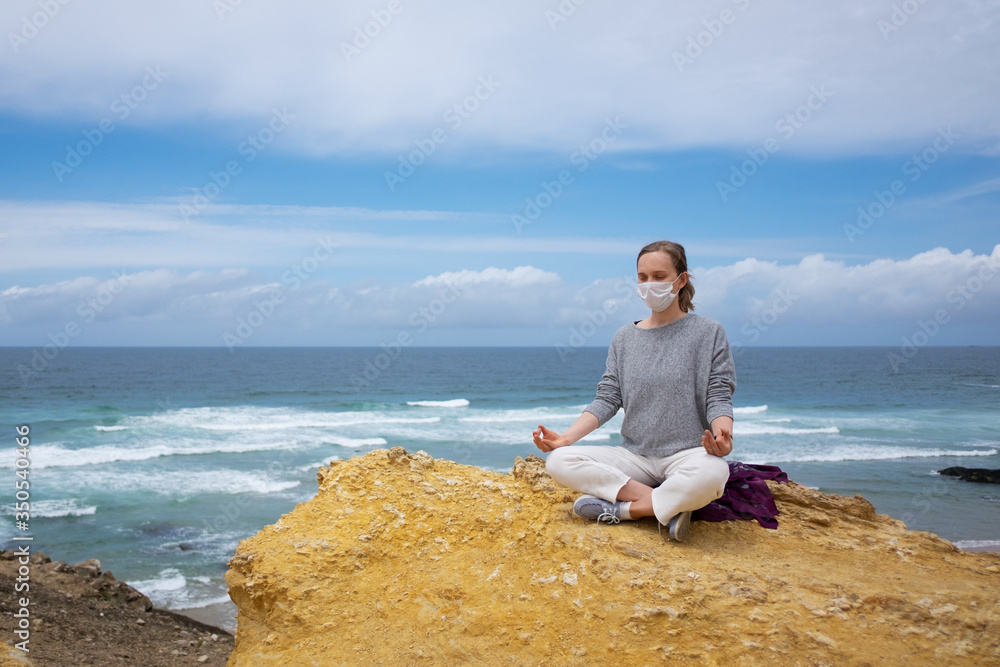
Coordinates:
x,y
657,295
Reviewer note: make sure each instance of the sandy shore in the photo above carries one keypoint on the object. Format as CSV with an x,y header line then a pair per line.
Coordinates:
x,y
222,615
990,549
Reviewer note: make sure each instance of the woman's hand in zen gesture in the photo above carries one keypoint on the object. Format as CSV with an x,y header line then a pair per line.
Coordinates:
x,y
547,439
719,444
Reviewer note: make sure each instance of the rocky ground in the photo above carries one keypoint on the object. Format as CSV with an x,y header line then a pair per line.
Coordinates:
x,y
81,615
404,559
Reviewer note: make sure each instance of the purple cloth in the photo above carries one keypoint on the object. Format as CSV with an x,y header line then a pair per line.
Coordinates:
x,y
746,496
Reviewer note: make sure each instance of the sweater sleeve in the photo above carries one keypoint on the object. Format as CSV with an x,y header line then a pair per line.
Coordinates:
x,y
721,380
609,394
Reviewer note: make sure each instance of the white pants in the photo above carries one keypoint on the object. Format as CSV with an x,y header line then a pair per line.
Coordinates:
x,y
683,482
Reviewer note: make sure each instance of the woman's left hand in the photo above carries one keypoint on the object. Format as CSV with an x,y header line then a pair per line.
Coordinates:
x,y
717,445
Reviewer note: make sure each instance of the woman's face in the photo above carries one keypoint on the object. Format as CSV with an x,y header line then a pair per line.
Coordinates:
x,y
657,267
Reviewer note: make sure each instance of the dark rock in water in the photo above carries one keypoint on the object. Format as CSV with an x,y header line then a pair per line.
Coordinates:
x,y
984,475
186,546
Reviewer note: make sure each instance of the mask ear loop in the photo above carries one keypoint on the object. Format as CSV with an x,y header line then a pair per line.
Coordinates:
x,y
682,273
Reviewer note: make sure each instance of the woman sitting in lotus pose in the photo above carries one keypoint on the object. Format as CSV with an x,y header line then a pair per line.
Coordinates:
x,y
674,376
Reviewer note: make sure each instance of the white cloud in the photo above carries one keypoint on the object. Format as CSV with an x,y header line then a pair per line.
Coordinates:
x,y
158,295
809,298
829,291
521,276
819,301
556,86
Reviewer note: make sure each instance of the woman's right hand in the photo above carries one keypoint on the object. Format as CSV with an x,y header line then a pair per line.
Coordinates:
x,y
547,439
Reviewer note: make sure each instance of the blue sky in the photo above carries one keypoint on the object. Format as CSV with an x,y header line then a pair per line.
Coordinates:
x,y
190,172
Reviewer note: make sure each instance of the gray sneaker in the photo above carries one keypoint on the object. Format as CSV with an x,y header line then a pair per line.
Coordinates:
x,y
603,511
678,526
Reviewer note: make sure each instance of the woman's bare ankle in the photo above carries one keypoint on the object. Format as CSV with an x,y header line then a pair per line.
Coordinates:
x,y
641,508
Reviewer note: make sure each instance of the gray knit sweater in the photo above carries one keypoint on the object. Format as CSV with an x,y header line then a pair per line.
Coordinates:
x,y
672,381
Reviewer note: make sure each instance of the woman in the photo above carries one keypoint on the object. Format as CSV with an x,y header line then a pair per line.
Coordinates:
x,y
673,374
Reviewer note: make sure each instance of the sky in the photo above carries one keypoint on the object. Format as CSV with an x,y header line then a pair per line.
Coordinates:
x,y
238,173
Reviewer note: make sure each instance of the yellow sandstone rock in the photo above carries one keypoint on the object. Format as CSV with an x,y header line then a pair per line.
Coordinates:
x,y
12,657
405,559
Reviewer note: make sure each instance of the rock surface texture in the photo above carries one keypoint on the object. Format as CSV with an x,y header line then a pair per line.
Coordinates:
x,y
405,559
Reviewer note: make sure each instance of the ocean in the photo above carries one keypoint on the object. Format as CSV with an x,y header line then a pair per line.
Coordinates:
x,y
158,461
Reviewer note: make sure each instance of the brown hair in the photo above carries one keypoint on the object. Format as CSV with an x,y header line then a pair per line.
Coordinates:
x,y
676,253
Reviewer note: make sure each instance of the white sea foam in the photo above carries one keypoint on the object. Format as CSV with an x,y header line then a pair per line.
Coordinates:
x,y
59,508
335,420
191,431
503,470
759,428
172,590
319,464
254,418
514,427
528,415
453,403
168,581
181,483
597,436
56,456
861,453
751,410
355,443
98,427
198,604
993,545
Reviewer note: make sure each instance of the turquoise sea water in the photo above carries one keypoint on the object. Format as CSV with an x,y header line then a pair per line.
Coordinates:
x,y
158,461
